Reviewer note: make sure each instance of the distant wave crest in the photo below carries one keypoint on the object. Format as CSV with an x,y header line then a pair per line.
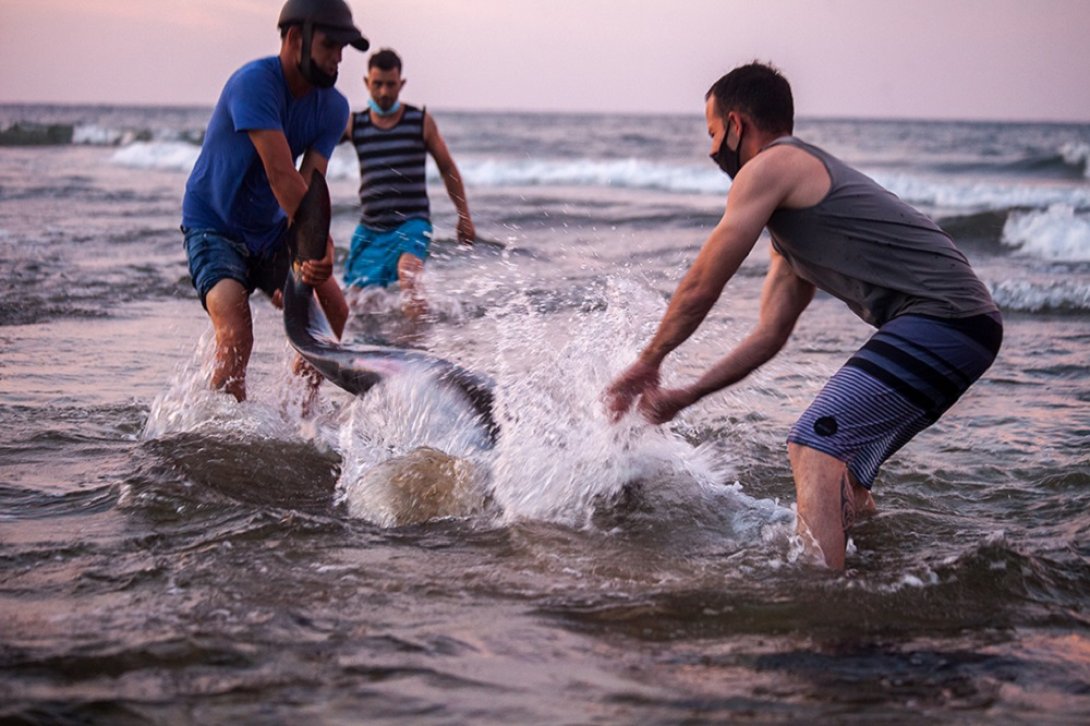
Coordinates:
x,y
1036,296
1077,154
1057,233
1046,221
981,195
165,155
26,133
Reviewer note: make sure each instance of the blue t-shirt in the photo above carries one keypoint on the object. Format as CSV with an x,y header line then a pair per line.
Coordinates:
x,y
228,190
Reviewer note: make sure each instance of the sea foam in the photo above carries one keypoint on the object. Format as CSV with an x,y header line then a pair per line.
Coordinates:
x,y
1077,153
161,155
1058,234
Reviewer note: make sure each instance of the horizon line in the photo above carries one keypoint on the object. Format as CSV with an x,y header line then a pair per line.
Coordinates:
x,y
593,112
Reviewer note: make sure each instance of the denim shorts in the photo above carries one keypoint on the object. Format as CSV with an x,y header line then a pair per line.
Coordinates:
x,y
373,257
214,257
899,383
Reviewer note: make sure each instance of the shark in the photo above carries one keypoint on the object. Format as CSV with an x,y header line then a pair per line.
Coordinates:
x,y
359,368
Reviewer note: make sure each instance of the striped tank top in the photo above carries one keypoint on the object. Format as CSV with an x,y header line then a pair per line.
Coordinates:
x,y
392,175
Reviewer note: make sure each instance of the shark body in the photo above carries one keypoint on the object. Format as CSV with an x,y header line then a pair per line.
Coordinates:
x,y
359,368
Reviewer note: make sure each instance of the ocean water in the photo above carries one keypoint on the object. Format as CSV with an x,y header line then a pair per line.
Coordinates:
x,y
169,556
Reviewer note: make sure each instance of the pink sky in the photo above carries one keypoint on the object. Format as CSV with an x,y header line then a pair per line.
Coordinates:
x,y
993,59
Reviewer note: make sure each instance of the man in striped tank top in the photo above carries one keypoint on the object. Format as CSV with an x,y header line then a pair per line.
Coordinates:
x,y
391,140
832,228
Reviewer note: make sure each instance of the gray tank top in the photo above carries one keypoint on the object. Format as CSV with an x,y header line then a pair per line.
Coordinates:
x,y
865,246
393,186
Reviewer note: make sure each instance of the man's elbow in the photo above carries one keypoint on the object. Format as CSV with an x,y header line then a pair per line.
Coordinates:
x,y
700,290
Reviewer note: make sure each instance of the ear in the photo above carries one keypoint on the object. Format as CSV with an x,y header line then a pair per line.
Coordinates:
x,y
734,119
293,40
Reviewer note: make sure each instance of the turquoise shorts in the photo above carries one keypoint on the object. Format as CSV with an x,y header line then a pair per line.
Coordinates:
x,y
373,257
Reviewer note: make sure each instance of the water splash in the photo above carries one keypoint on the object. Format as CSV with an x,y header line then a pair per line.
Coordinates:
x,y
380,437
558,458
1058,234
274,409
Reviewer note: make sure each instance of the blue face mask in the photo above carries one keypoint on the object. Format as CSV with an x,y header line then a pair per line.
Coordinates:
x,y
379,111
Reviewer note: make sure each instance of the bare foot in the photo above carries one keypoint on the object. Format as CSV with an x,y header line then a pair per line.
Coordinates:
x,y
414,307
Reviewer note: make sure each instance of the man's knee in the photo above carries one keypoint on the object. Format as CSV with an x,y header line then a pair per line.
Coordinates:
x,y
229,308
819,475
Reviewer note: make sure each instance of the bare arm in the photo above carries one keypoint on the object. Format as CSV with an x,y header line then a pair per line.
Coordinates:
x,y
289,185
452,179
719,259
784,296
755,194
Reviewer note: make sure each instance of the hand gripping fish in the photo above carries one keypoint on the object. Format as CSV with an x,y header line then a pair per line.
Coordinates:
x,y
357,369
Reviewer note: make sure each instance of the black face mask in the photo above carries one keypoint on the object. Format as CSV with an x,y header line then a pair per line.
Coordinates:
x,y
729,161
314,75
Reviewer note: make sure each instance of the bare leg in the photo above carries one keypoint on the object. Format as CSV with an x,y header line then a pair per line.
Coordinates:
x,y
331,298
410,271
229,308
829,501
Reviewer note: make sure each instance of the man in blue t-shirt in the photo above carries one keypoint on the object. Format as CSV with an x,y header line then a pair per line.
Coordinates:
x,y
245,185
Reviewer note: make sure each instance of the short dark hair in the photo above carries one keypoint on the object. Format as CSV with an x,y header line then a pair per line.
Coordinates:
x,y
384,60
759,91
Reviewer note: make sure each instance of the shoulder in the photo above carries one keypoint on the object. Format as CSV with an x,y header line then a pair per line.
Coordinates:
x,y
426,120
255,96
260,71
258,83
790,169
786,154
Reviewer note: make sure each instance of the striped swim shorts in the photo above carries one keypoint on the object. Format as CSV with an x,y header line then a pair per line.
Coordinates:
x,y
899,383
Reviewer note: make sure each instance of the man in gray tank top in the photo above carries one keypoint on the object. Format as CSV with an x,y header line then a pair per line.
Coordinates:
x,y
833,229
392,140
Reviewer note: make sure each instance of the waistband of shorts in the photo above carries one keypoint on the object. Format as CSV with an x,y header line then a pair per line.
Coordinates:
x,y
422,222
985,329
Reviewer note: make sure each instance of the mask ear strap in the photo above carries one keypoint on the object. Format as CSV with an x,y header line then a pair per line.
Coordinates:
x,y
727,135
